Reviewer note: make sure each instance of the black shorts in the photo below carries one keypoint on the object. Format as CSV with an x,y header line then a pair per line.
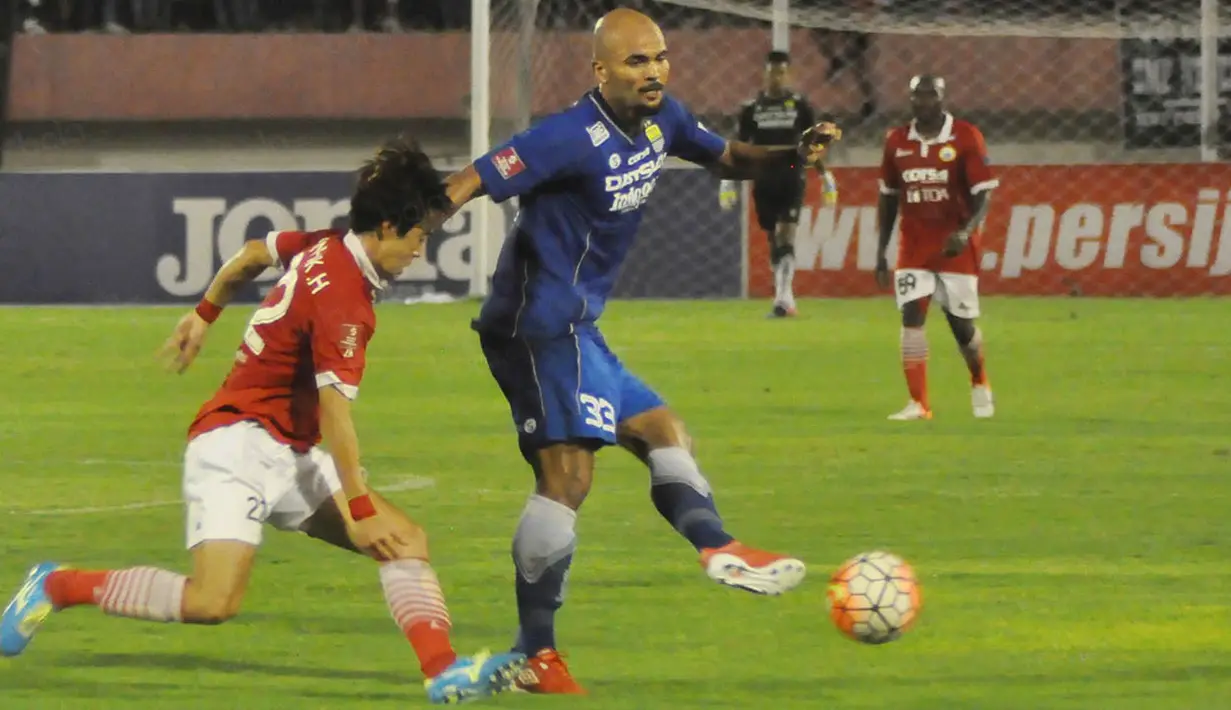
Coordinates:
x,y
778,202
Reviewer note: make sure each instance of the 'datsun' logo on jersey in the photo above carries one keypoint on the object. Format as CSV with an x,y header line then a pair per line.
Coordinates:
x,y
633,187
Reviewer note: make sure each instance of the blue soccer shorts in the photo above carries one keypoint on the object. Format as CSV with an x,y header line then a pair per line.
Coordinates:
x,y
569,389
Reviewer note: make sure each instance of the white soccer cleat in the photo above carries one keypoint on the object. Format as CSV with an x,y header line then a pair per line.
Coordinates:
x,y
752,570
911,412
981,402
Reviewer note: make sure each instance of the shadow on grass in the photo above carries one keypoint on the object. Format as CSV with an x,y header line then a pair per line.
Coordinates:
x,y
191,662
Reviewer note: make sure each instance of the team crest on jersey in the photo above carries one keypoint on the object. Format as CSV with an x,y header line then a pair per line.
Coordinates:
x,y
508,163
655,134
614,161
947,153
598,134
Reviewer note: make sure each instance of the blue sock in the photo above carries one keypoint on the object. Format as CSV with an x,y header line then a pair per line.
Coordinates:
x,y
682,496
542,552
537,604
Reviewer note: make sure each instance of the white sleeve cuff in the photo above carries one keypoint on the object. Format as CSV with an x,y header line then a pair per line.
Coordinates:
x,y
885,189
271,243
984,186
328,379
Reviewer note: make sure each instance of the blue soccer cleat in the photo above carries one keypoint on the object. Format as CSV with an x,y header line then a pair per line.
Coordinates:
x,y
28,610
475,677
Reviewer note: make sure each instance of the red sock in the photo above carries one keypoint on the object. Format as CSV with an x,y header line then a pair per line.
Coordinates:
x,y
71,587
915,364
418,606
136,592
432,646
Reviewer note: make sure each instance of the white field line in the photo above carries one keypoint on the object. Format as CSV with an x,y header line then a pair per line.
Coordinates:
x,y
403,483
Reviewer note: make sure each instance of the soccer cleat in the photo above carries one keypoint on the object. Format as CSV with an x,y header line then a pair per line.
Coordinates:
x,y
475,677
912,412
781,311
545,673
737,565
981,401
28,610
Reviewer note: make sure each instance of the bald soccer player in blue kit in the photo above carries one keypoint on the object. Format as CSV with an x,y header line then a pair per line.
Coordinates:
x,y
583,176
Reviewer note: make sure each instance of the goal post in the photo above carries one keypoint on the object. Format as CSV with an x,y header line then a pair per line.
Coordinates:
x,y
1108,121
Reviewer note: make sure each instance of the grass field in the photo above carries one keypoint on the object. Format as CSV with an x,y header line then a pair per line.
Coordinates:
x,y
1073,551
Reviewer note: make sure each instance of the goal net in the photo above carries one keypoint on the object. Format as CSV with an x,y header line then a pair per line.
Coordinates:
x,y
1107,122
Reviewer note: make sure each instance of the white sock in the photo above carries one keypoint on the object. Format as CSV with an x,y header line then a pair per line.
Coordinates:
x,y
779,272
143,593
788,280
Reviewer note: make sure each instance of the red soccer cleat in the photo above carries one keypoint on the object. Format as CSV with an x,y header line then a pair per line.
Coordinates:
x,y
740,566
546,673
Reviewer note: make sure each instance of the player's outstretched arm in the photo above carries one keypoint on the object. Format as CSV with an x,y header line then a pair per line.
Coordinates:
x,y
977,174
890,184
462,187
548,150
371,533
886,215
980,203
338,431
185,342
745,161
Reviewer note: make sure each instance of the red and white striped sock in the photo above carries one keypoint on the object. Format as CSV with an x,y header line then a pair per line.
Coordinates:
x,y
137,593
915,364
144,593
418,606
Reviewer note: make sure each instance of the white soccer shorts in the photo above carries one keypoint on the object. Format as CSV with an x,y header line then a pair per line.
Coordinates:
x,y
238,478
956,293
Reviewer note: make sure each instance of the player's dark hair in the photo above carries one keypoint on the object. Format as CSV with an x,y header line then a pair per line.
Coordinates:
x,y
778,57
398,185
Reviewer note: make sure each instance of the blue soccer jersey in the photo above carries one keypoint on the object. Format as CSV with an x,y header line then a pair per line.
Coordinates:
x,y
582,182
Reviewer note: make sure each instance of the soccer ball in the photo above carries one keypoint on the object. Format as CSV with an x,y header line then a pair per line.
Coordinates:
x,y
874,597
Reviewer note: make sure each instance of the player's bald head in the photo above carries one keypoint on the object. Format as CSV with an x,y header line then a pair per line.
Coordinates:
x,y
630,63
927,98
928,83
623,31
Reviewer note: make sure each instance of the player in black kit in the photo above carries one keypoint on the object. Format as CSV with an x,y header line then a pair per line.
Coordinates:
x,y
777,117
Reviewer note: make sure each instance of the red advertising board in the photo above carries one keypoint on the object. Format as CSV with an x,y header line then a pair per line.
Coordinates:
x,y
1098,230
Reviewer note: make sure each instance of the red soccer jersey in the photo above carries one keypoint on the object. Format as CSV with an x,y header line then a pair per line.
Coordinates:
x,y
934,180
311,331
284,246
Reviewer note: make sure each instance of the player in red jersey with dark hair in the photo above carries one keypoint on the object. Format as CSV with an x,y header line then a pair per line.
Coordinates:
x,y
935,172
253,455
276,250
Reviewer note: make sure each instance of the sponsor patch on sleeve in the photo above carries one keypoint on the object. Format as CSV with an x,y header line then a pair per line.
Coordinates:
x,y
508,163
349,341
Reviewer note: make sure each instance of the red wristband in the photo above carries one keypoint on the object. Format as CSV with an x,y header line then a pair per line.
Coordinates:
x,y
361,507
208,310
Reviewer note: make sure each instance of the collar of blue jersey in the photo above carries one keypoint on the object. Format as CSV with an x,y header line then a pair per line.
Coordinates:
x,y
355,247
945,135
606,111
